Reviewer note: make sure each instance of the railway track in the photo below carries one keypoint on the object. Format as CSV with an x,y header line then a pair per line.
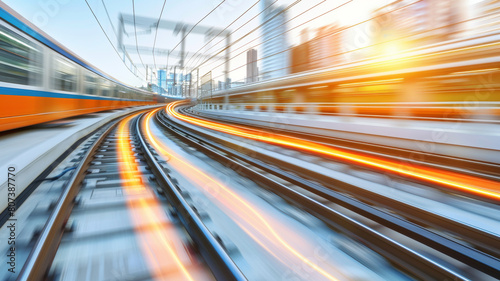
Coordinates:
x,y
316,193
100,171
118,172
443,162
481,240
484,241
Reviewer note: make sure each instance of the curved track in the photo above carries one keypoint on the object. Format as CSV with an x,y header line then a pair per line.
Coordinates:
x,y
473,247
117,159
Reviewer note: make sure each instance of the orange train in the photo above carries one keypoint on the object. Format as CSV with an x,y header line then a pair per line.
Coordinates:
x,y
40,80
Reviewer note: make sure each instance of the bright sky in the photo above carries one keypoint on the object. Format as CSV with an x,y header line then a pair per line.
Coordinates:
x,y
72,24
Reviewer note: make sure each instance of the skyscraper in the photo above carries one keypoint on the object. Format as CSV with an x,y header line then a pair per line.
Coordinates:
x,y
252,69
276,57
162,79
323,50
325,47
432,20
170,84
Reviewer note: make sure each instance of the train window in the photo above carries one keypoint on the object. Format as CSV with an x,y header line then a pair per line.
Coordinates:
x,y
115,91
105,88
121,92
65,76
20,59
91,86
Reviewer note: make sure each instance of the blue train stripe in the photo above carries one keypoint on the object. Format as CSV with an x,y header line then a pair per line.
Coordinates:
x,y
44,94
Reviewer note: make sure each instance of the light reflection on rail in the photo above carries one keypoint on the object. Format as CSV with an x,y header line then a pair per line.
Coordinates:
x,y
473,185
156,239
264,230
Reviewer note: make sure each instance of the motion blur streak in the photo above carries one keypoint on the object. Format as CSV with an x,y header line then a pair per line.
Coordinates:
x,y
146,211
239,206
464,183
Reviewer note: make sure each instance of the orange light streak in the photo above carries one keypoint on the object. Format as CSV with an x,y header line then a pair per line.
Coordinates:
x,y
146,210
234,202
473,185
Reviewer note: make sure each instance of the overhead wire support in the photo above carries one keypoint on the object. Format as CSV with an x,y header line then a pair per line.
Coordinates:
x,y
116,35
185,35
247,10
109,40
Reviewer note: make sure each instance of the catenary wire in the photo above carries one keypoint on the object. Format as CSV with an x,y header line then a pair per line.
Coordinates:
x,y
110,42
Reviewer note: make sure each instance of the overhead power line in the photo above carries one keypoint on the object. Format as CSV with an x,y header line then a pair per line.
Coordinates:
x,y
110,42
286,31
323,36
156,33
116,35
234,31
185,35
247,10
289,20
109,18
135,33
253,30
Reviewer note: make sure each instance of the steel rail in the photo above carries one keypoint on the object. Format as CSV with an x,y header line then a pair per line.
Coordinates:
x,y
41,256
472,257
476,168
221,264
403,257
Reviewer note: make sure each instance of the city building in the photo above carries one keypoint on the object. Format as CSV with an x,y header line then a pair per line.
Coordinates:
x,y
325,47
275,50
221,85
323,50
300,58
252,69
162,78
412,23
186,85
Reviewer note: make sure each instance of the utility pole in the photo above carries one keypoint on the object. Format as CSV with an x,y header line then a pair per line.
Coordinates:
x,y
150,74
198,83
183,46
226,68
183,83
175,81
227,58
189,86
